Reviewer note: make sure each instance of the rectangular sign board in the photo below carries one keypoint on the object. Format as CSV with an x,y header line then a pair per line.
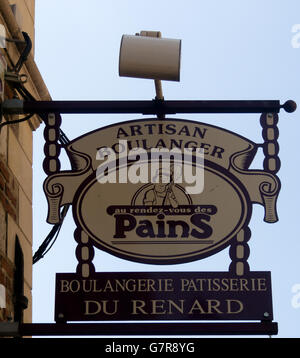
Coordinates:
x,y
111,296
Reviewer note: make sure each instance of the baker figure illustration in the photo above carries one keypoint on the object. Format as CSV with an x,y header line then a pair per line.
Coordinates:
x,y
161,193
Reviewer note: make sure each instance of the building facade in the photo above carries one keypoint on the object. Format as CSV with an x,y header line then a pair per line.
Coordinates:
x,y
20,78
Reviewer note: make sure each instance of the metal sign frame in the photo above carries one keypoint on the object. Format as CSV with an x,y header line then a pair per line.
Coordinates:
x,y
159,108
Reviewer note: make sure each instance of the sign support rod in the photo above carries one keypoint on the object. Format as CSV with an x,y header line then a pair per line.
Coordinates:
x,y
141,329
15,106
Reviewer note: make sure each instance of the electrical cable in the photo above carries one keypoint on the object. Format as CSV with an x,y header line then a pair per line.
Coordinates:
x,y
54,232
24,54
52,236
16,121
63,139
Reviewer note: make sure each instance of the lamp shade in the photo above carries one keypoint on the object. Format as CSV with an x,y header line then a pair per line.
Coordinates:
x,y
150,57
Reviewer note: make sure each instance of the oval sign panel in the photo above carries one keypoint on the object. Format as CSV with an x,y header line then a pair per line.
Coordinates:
x,y
159,222
161,191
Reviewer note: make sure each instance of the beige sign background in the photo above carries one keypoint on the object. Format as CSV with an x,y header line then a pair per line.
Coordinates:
x,y
134,221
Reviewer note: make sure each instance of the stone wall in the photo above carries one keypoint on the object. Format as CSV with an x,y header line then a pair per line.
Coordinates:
x,y
16,144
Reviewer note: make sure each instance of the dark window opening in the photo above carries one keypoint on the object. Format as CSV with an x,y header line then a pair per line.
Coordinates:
x,y
20,301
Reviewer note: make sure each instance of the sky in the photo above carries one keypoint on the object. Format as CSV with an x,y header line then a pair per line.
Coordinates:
x,y
231,50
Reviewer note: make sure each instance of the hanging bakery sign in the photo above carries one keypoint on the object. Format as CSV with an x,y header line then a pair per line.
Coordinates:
x,y
163,191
